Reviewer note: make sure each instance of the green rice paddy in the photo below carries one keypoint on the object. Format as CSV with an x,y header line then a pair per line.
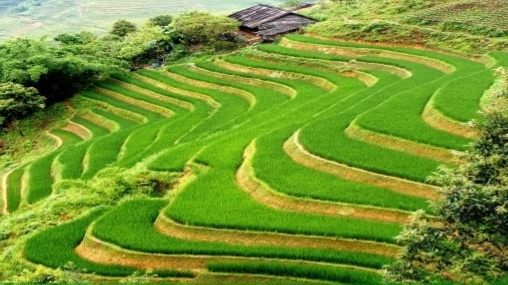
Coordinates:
x,y
285,91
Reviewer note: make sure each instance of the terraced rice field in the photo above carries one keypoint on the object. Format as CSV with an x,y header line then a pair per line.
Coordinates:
x,y
302,159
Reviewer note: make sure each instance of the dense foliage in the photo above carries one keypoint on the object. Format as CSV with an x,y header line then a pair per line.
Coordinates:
x,y
56,71
469,240
198,28
18,101
70,63
122,28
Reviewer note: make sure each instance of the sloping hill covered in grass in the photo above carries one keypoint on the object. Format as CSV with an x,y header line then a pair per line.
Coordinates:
x,y
476,17
298,160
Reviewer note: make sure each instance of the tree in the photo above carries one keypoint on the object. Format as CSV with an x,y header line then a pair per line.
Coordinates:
x,y
468,240
57,71
146,45
161,21
122,28
17,101
199,28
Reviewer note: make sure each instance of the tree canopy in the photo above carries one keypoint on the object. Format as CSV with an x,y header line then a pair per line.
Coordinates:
x,y
161,21
17,101
197,28
122,28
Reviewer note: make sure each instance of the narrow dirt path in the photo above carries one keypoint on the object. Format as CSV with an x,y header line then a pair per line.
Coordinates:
x,y
4,186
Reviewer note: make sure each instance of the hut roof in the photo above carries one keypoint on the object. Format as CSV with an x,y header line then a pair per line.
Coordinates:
x,y
288,23
260,14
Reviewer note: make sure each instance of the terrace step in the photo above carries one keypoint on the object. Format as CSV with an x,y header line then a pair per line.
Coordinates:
x,y
283,89
194,95
246,95
261,192
354,52
317,81
298,153
164,112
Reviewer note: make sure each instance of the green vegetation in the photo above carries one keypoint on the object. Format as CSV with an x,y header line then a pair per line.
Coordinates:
x,y
47,247
337,274
475,17
472,215
297,161
17,101
140,235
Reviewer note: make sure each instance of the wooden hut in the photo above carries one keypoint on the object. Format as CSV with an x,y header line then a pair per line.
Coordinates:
x,y
269,22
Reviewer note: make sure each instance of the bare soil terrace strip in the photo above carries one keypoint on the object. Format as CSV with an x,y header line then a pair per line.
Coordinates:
x,y
317,81
154,95
100,121
357,52
299,154
340,68
283,89
262,193
3,186
247,96
439,154
78,130
126,114
168,227
437,120
100,252
141,104
207,99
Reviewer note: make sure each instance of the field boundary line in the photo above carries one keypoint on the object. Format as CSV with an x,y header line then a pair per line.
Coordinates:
x,y
123,113
337,68
57,139
98,251
152,94
244,94
353,64
100,121
212,103
314,80
299,154
280,88
433,63
357,132
434,118
5,197
166,226
79,130
264,194
162,111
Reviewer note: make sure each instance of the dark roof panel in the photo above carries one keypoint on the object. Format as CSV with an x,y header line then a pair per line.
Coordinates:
x,y
257,15
293,20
